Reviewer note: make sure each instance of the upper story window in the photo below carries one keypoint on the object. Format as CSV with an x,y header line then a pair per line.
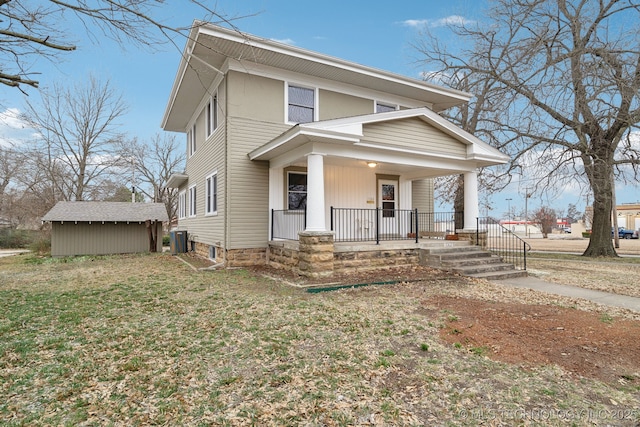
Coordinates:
x,y
191,140
301,104
296,190
212,114
383,108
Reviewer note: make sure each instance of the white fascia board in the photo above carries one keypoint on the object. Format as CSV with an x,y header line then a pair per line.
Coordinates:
x,y
293,51
182,69
304,134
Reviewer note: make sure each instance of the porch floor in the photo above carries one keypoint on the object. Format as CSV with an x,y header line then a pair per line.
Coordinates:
x,y
423,243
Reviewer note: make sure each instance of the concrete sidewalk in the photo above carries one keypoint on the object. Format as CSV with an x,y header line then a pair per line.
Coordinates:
x,y
10,252
613,300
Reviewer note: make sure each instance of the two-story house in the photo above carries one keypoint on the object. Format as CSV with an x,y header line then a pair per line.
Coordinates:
x,y
283,142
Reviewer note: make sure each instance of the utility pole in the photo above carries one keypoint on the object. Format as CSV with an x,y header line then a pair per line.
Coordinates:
x,y
509,209
526,212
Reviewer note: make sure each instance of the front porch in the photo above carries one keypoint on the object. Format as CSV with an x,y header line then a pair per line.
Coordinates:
x,y
316,254
489,251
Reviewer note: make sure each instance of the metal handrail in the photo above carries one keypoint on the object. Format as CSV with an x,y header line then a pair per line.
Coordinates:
x,y
502,241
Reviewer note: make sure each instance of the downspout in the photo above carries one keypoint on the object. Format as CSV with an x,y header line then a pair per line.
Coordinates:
x,y
226,170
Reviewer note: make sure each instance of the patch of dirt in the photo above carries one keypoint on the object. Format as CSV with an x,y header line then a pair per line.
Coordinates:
x,y
515,326
587,344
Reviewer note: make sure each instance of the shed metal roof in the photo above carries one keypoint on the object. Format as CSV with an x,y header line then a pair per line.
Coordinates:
x,y
107,211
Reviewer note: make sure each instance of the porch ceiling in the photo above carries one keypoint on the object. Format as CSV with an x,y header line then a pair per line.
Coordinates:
x,y
344,143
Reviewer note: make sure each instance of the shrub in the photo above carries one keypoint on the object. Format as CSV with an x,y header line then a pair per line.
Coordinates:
x,y
12,238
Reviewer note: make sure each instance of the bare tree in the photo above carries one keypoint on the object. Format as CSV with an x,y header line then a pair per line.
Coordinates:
x,y
32,31
546,218
571,69
78,137
9,167
153,164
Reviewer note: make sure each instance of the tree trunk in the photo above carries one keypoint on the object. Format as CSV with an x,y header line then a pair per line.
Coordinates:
x,y
600,244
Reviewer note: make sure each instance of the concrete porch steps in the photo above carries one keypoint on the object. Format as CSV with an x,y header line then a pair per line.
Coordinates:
x,y
469,261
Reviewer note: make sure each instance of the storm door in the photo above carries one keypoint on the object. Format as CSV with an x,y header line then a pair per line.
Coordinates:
x,y
388,203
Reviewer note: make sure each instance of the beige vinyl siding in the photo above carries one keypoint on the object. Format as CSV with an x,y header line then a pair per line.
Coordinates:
x,y
248,185
414,134
209,158
256,98
96,238
207,229
422,195
333,105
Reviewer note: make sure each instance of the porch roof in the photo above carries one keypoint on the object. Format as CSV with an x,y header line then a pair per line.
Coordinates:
x,y
346,138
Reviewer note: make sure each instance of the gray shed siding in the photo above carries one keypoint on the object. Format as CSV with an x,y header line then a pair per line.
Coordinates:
x,y
96,238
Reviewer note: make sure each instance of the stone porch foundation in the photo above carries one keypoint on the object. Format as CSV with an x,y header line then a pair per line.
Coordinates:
x,y
316,255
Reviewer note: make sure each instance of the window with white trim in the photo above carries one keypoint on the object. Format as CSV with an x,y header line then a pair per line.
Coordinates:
x,y
383,108
301,104
182,204
192,201
212,114
211,196
296,190
191,140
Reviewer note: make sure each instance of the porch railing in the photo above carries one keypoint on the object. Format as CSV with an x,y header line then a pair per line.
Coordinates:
x,y
503,242
440,222
374,225
286,224
369,225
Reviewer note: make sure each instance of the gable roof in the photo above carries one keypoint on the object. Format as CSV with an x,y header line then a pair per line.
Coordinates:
x,y
210,47
107,211
349,130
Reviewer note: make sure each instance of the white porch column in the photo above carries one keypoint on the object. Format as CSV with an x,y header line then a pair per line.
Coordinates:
x,y
315,193
471,210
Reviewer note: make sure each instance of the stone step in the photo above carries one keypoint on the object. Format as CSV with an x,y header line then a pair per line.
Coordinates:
x,y
437,260
463,262
500,275
442,250
469,261
482,268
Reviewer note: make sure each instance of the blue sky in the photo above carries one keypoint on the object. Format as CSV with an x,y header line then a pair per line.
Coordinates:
x,y
373,33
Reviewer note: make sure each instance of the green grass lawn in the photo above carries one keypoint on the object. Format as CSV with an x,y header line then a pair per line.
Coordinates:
x,y
144,340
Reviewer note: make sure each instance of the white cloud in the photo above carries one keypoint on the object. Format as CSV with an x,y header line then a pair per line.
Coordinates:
x,y
285,41
11,118
415,22
436,23
13,130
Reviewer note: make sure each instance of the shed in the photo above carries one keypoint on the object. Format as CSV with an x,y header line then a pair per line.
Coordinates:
x,y
102,228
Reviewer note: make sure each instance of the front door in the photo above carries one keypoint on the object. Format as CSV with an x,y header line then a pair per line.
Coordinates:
x,y
388,203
